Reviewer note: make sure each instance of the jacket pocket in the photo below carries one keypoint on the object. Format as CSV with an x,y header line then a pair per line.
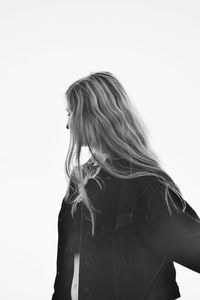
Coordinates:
x,y
118,222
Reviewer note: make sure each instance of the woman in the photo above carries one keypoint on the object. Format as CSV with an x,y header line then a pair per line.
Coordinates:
x,y
123,220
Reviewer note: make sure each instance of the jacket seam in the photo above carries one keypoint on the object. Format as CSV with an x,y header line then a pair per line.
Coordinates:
x,y
153,278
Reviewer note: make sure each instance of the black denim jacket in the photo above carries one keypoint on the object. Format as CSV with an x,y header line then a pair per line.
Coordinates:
x,y
135,244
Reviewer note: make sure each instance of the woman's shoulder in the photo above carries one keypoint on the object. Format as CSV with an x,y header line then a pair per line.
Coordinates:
x,y
144,182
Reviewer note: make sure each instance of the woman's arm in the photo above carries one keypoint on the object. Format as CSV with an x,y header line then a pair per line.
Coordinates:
x,y
175,236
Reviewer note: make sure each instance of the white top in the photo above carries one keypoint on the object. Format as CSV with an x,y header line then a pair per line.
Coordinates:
x,y
75,281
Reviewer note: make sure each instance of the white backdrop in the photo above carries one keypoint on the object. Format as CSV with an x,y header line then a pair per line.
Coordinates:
x,y
152,47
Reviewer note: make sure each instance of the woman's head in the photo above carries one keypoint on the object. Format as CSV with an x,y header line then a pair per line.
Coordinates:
x,y
103,118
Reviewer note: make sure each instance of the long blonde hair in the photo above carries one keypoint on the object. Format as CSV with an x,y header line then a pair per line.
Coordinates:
x,y
104,119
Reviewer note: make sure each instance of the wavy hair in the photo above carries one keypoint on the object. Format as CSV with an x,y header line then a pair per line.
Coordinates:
x,y
104,119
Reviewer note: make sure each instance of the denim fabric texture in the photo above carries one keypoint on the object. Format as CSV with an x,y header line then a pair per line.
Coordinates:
x,y
136,242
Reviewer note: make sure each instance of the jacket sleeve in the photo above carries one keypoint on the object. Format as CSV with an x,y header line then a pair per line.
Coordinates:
x,y
174,234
